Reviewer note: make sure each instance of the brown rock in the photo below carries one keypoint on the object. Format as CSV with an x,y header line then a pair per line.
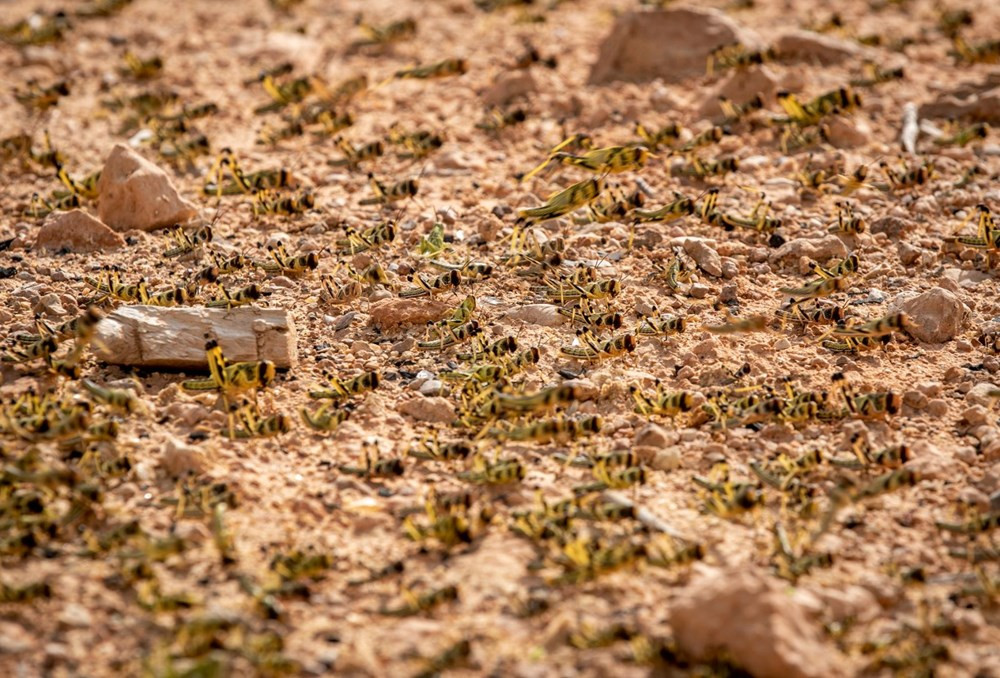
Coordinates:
x,y
154,336
741,87
934,463
509,85
135,193
844,133
817,249
652,435
391,313
979,102
936,316
704,255
671,44
752,617
436,410
892,226
179,458
76,231
809,46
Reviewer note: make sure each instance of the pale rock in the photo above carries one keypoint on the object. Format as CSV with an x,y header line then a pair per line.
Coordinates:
x,y
155,336
178,458
815,47
509,85
50,305
698,291
752,617
135,193
185,415
75,616
389,314
704,255
76,231
936,316
652,435
937,408
978,394
672,44
908,254
915,399
432,387
586,389
976,415
666,459
435,410
545,315
850,602
817,249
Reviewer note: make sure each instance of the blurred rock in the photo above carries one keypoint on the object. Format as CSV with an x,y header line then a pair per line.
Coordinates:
x,y
751,616
509,85
815,47
436,410
817,249
672,44
740,87
388,314
546,315
979,102
76,231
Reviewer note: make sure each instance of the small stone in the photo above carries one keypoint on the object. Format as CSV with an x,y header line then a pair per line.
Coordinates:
x,y
671,44
652,435
782,344
75,616
698,291
509,85
404,346
398,312
431,387
666,459
810,46
728,293
705,349
908,254
936,316
937,408
892,226
844,133
135,193
915,399
545,315
933,463
179,458
435,410
76,231
817,249
50,304
705,256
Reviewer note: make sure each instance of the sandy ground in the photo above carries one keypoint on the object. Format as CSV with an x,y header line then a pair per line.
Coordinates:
x,y
99,617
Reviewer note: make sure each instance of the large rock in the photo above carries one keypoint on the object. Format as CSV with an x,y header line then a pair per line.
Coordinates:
x,y
979,102
810,46
671,44
751,616
76,231
936,316
154,336
135,193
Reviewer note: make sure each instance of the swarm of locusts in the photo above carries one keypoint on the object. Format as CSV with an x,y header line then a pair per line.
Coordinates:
x,y
618,346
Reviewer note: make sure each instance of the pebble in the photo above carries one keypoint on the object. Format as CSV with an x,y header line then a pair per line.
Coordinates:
x,y
178,458
545,315
698,291
388,314
915,399
976,415
817,249
977,395
809,46
782,344
705,256
432,387
652,435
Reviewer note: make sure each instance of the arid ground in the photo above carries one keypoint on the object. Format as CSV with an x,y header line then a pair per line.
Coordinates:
x,y
768,494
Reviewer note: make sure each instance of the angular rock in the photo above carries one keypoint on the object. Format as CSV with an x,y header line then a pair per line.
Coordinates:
x,y
977,395
810,46
671,44
135,193
154,336
178,458
705,256
980,102
931,462
388,314
76,231
936,316
545,315
751,616
435,410
652,435
741,87
509,85
818,249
